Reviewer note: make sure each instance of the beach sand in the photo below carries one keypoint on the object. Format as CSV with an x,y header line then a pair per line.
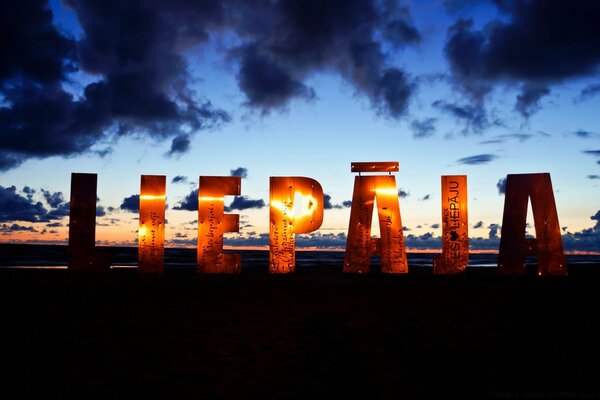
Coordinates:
x,y
314,334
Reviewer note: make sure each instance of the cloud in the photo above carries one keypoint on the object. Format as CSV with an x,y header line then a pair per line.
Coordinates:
x,y
347,203
535,43
14,207
477,159
521,137
140,84
589,91
478,224
239,171
6,229
426,197
593,176
286,42
435,226
244,203
179,145
583,134
423,128
328,205
473,116
189,202
593,153
587,239
179,179
494,228
501,185
528,101
403,193
131,203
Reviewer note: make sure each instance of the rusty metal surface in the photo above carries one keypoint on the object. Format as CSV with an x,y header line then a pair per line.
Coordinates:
x,y
455,226
296,206
82,222
360,246
378,166
514,246
213,223
151,233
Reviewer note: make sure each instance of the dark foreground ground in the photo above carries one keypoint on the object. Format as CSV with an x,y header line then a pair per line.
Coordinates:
x,y
315,334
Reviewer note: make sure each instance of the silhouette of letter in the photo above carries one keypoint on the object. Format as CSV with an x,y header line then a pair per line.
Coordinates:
x,y
514,246
213,222
455,226
296,206
360,245
82,222
151,234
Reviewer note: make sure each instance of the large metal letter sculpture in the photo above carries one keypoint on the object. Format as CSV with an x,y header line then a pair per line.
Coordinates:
x,y
360,246
213,222
296,207
82,222
151,234
514,246
455,229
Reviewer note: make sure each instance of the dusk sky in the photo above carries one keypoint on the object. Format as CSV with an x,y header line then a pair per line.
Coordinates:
x,y
186,88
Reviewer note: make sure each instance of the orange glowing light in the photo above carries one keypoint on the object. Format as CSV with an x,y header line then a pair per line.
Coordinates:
x,y
455,226
359,245
296,206
213,223
151,232
514,246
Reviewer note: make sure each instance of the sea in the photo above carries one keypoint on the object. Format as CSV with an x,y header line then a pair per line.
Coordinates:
x,y
56,256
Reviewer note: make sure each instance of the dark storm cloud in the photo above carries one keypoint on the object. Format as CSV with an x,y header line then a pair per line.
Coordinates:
x,y
244,203
473,116
501,185
586,239
240,171
494,228
53,199
287,41
133,49
477,159
14,207
423,128
131,203
179,179
6,229
179,145
328,205
189,202
536,44
528,101
135,53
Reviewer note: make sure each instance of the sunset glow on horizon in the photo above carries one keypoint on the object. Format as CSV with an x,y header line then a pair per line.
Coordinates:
x,y
289,89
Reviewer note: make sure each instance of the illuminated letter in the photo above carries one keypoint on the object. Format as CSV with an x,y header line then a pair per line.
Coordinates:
x,y
213,222
360,245
82,222
151,235
514,246
455,230
296,207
